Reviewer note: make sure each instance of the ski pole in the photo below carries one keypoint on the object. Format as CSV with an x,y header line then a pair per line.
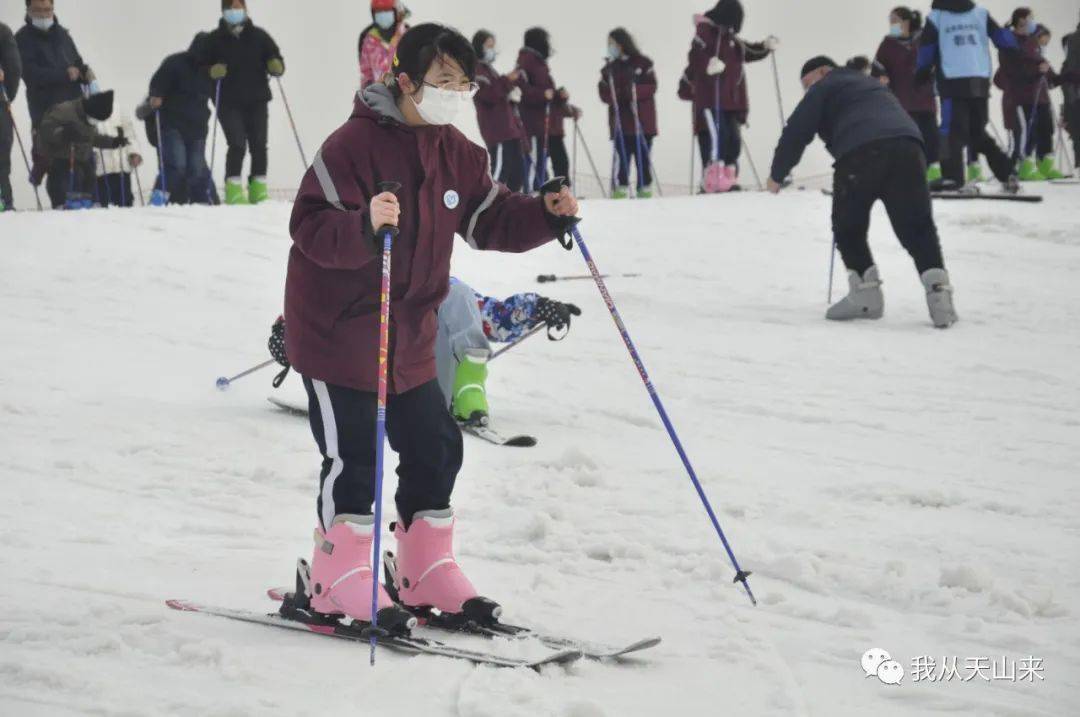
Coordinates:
x,y
213,145
573,166
164,196
623,159
779,95
288,110
541,170
592,162
753,168
532,332
643,146
22,147
551,278
123,188
105,177
388,233
741,576
138,183
224,383
832,270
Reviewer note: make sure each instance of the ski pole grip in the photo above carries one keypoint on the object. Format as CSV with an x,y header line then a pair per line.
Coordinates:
x,y
393,188
547,278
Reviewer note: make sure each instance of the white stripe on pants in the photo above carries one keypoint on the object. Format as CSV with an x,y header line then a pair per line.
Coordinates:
x,y
330,436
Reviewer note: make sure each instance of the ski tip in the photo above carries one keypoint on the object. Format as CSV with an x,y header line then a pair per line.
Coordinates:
x,y
181,605
277,594
565,657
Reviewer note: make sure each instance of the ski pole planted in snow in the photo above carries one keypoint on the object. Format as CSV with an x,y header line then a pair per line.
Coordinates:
x,y
642,145
223,383
213,145
832,270
388,234
589,156
288,110
22,147
551,278
779,95
741,576
160,196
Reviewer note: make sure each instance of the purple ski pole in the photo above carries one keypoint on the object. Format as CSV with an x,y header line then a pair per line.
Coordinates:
x,y
741,575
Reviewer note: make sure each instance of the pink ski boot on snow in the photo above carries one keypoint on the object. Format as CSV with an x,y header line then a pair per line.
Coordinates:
x,y
718,178
340,579
426,575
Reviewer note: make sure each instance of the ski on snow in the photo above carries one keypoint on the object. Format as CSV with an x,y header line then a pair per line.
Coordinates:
x,y
452,624
484,433
959,195
399,643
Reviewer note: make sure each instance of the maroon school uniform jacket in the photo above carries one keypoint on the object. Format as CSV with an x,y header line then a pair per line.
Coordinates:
x,y
494,112
332,290
627,74
712,40
535,81
1020,81
899,57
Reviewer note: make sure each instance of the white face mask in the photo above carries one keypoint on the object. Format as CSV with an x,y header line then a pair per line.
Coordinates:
x,y
440,107
490,55
43,23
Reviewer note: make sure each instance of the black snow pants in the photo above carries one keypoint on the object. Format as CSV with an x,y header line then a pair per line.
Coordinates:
x,y
7,139
421,430
508,164
894,171
245,128
963,124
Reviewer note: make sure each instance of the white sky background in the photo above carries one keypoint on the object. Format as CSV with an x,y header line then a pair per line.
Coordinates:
x,y
125,41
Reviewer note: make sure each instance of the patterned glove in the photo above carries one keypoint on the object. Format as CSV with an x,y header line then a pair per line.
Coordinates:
x,y
555,314
276,344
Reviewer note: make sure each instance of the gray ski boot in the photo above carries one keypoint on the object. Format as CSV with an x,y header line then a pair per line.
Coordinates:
x,y
939,298
865,300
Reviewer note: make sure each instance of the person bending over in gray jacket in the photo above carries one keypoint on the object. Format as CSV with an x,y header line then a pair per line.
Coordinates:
x,y
879,155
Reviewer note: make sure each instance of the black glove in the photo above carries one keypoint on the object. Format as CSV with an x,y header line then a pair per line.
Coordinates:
x,y
276,344
562,226
118,142
556,315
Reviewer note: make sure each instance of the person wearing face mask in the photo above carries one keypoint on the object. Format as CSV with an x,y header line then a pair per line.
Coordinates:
x,y
544,108
898,54
400,131
53,69
717,59
626,78
242,57
10,77
1025,79
879,156
379,40
954,48
498,115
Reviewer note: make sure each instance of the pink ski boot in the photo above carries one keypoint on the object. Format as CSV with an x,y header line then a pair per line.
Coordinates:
x,y
426,574
731,177
341,575
718,178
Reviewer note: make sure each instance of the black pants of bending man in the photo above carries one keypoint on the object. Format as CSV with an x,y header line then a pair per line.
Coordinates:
x,y
963,124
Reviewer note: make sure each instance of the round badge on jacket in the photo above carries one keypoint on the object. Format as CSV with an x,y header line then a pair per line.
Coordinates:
x,y
451,199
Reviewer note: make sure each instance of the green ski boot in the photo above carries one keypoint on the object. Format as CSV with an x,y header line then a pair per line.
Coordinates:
x,y
1048,170
933,173
258,191
975,173
234,193
620,193
645,193
470,396
1029,172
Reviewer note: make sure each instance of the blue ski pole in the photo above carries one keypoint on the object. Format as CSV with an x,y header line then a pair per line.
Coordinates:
x,y
388,234
741,576
832,270
160,196
620,140
213,146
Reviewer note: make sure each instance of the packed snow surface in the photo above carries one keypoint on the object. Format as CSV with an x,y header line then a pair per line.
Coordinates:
x,y
890,486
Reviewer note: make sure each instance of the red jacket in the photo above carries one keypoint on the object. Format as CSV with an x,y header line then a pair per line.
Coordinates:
x,y
630,73
333,283
1021,82
498,121
900,58
535,81
712,40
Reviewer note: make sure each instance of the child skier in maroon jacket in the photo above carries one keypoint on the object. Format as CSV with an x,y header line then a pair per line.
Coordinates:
x,y
628,87
398,132
544,107
498,115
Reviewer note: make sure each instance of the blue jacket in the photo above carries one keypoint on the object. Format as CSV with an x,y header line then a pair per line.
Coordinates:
x,y
186,94
956,41
46,57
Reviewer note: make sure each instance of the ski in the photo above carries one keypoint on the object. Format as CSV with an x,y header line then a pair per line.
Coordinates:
x,y
1066,180
290,408
589,650
486,433
356,633
998,196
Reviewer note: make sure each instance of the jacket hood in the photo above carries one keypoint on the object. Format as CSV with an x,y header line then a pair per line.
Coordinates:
x,y
378,98
99,106
728,13
953,5
197,42
537,40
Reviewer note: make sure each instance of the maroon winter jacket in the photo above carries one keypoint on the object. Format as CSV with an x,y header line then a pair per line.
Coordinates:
x,y
498,121
628,73
333,283
536,79
900,58
1020,81
712,40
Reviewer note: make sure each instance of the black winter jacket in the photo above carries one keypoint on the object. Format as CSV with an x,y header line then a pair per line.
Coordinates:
x,y
185,91
245,55
46,56
848,110
10,62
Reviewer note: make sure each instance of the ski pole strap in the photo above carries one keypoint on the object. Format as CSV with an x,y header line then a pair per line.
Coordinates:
x,y
562,226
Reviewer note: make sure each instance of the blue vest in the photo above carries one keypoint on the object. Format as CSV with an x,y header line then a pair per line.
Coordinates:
x,y
963,43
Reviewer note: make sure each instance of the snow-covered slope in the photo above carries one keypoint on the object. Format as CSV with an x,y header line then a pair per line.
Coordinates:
x,y
890,485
